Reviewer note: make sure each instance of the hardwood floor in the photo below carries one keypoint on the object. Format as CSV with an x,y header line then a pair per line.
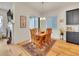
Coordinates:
x,y
60,48
18,50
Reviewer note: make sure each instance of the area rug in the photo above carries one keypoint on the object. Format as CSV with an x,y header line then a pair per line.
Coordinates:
x,y
30,47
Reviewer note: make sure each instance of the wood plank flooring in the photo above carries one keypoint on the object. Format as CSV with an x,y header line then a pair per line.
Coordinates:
x,y
16,50
60,48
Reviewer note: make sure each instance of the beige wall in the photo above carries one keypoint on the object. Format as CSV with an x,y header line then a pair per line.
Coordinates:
x,y
21,34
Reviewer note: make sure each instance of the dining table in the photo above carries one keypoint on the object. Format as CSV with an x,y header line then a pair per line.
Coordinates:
x,y
40,37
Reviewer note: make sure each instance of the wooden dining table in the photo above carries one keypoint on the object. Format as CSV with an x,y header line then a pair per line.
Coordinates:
x,y
40,37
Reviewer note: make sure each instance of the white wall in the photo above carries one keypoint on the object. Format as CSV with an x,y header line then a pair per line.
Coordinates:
x,y
61,13
21,34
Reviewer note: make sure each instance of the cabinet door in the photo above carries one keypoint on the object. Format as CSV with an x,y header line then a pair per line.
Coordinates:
x,y
72,17
72,37
75,17
69,19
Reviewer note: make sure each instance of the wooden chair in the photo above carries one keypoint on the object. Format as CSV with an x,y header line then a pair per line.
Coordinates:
x,y
41,42
48,36
34,37
33,32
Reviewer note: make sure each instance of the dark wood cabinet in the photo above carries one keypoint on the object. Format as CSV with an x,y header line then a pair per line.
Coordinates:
x,y
72,17
72,37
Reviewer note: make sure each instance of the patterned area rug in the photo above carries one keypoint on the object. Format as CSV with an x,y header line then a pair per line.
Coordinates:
x,y
30,47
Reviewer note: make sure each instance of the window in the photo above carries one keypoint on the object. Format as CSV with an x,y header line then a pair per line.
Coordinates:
x,y
33,22
42,23
52,22
1,21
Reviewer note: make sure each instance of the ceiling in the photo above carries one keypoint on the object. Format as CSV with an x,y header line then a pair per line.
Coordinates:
x,y
49,6
39,6
6,5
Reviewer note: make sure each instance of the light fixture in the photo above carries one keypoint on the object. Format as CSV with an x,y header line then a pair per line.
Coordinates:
x,y
42,18
42,4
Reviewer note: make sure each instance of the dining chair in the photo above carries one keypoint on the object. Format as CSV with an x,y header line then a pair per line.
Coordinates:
x,y
48,36
33,32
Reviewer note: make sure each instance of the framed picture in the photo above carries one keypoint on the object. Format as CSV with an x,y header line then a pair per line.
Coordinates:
x,y
22,21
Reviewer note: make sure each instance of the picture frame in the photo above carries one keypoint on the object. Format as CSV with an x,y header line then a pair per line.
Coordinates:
x,y
22,21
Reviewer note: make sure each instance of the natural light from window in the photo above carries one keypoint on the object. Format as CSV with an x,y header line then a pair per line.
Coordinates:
x,y
1,21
